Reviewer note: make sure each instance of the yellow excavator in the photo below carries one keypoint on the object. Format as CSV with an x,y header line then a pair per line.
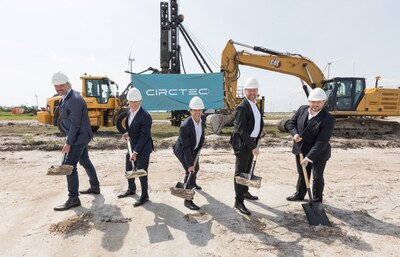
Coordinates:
x,y
355,107
105,106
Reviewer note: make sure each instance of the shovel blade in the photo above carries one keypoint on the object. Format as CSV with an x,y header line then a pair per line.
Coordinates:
x,y
254,181
186,194
316,214
135,174
64,169
182,185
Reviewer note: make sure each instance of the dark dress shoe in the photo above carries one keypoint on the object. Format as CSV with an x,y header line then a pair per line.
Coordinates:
x,y
242,208
91,190
70,203
126,194
295,197
141,202
198,187
248,196
191,205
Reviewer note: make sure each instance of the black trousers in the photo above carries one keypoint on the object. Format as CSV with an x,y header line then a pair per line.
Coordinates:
x,y
142,162
244,160
317,169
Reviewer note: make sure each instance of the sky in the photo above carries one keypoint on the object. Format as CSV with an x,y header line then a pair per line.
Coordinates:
x,y
37,38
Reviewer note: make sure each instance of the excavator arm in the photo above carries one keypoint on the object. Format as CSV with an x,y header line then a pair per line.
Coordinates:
x,y
292,64
349,101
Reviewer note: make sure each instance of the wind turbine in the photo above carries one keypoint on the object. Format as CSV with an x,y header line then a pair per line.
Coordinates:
x,y
328,65
130,61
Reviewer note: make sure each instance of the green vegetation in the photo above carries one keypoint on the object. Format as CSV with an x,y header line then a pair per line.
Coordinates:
x,y
160,115
10,116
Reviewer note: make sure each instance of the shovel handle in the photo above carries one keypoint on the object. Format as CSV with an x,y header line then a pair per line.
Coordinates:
x,y
254,161
297,145
187,181
196,159
128,140
303,166
64,156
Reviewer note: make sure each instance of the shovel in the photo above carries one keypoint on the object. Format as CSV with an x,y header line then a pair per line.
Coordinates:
x,y
314,211
134,173
181,189
63,169
248,179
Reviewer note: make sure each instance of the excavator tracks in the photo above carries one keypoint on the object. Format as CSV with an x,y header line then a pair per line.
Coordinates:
x,y
353,127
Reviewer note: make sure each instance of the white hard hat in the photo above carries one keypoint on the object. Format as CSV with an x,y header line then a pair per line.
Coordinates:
x,y
134,95
317,94
251,83
59,78
196,103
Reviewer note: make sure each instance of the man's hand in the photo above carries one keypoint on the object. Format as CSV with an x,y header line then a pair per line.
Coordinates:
x,y
66,148
134,156
255,151
304,162
296,138
191,169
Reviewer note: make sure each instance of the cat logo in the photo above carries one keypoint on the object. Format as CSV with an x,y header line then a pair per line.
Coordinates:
x,y
275,63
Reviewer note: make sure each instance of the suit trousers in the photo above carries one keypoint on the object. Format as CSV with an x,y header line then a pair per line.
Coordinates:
x,y
79,153
142,162
317,169
244,160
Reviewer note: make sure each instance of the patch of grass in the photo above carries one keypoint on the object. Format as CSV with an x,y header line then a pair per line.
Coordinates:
x,y
277,115
160,115
11,116
160,131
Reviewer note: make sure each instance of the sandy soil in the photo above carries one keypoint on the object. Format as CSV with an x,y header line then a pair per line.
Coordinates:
x,y
361,200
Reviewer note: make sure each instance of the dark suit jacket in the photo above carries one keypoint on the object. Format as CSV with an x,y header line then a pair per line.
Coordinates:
x,y
186,142
75,119
140,132
244,125
315,144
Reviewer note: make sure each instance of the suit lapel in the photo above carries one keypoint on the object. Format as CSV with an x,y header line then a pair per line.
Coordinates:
x,y
303,120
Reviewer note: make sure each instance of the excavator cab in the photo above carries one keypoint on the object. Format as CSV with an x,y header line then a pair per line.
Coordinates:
x,y
344,94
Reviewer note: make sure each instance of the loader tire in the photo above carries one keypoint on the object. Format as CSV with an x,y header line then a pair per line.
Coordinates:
x,y
282,125
120,123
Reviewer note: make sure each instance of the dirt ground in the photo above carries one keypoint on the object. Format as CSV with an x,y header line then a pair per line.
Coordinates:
x,y
361,200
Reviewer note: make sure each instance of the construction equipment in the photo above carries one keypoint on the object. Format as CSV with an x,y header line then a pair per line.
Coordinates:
x,y
105,106
249,179
314,210
354,106
134,173
183,190
63,169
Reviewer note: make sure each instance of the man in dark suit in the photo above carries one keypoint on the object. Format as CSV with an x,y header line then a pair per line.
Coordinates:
x,y
189,143
76,125
139,124
248,129
311,127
